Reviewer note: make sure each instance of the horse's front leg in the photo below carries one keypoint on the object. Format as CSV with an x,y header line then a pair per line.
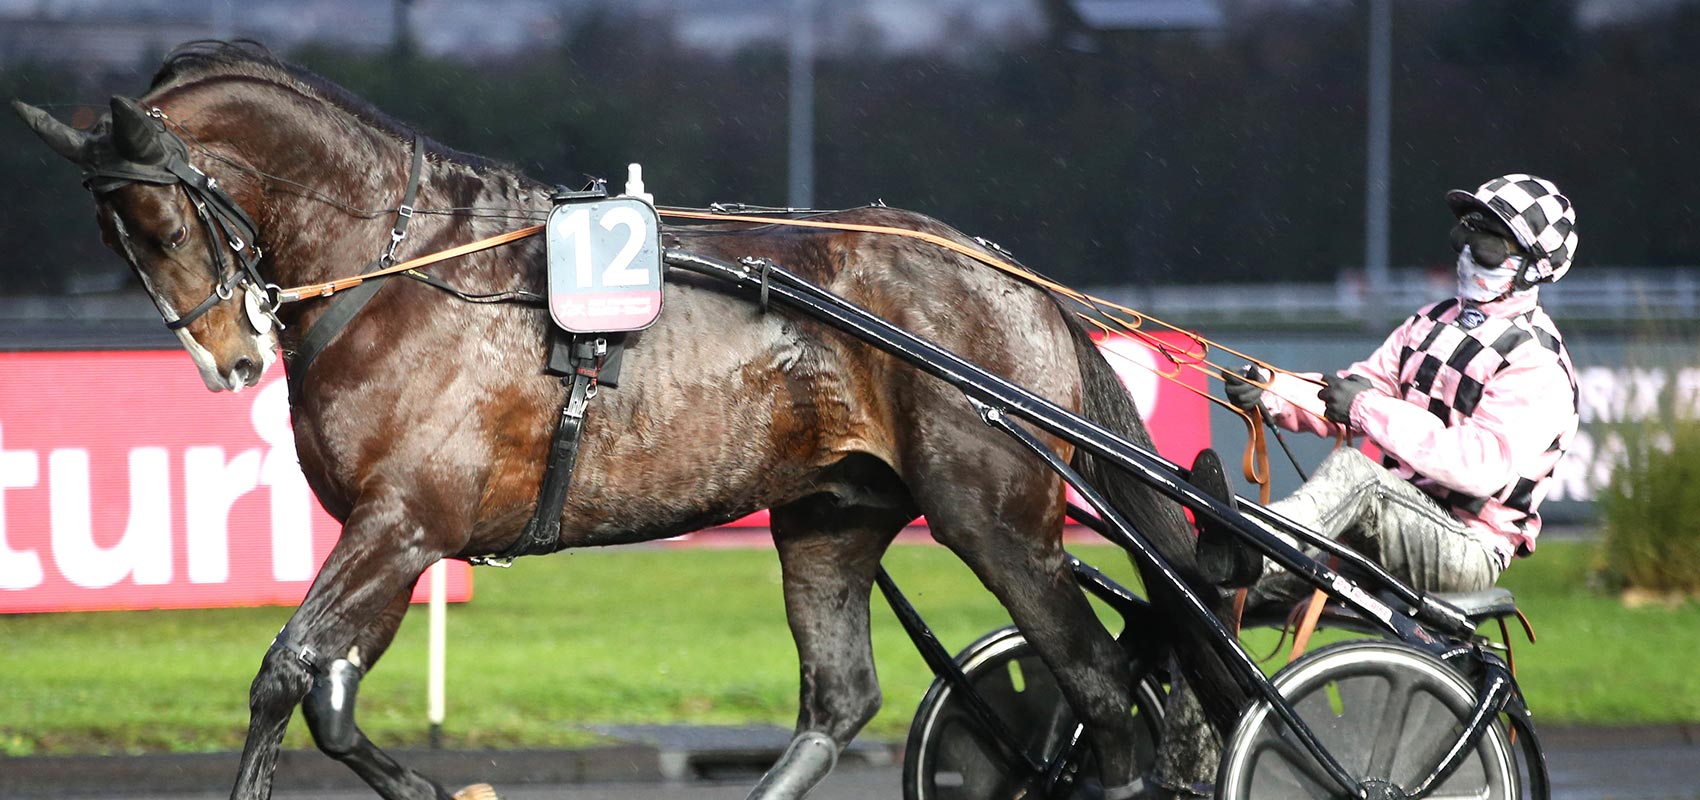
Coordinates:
x,y
383,549
329,711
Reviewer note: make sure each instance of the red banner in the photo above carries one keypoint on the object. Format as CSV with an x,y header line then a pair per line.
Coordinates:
x,y
125,484
1169,394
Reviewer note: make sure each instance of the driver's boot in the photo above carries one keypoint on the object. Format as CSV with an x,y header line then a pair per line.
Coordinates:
x,y
1223,557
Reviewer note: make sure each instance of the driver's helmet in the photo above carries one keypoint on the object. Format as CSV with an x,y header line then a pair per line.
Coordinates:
x,y
1542,219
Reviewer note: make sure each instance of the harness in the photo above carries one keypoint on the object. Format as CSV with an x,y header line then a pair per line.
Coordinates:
x,y
342,309
583,362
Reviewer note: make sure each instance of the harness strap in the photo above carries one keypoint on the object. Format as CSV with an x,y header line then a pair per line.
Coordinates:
x,y
227,225
582,358
1307,626
328,326
329,288
223,205
404,212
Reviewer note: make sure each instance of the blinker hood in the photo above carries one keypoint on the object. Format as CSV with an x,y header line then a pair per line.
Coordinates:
x,y
107,170
127,145
131,146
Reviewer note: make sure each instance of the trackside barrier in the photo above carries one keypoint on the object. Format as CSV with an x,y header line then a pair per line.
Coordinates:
x,y
156,493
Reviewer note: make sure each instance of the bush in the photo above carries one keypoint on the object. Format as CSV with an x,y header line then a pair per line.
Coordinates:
x,y
1650,511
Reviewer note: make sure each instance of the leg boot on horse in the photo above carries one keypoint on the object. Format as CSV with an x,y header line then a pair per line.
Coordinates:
x,y
354,599
329,711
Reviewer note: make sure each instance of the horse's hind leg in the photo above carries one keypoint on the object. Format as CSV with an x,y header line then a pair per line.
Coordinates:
x,y
829,555
1007,530
329,710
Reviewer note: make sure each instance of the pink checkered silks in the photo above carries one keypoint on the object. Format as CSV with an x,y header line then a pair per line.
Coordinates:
x,y
1473,408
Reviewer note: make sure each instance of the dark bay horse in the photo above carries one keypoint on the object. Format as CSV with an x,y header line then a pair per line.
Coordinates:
x,y
424,426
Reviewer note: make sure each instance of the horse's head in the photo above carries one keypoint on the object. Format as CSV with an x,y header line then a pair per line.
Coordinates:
x,y
191,244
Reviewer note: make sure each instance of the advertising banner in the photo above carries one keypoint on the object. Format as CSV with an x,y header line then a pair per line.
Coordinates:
x,y
125,484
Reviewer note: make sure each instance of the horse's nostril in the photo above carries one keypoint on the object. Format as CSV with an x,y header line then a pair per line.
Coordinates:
x,y
245,370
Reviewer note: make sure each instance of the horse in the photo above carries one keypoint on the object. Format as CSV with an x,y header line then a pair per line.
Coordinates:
x,y
423,426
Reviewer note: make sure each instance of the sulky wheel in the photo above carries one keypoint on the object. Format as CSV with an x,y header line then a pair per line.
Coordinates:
x,y
1384,710
948,757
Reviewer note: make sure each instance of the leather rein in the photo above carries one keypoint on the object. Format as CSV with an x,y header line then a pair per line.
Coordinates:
x,y
1254,463
228,225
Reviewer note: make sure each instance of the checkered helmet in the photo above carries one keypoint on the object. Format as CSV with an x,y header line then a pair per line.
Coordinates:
x,y
1542,219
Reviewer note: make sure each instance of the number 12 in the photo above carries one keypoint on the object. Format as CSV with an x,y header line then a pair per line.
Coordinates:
x,y
576,230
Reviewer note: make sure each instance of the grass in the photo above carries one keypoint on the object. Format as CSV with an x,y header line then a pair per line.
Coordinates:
x,y
1647,509
658,635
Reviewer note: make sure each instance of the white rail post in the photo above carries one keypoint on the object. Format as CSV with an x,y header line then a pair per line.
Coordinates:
x,y
436,650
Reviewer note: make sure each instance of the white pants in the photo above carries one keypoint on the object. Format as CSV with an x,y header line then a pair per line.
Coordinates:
x,y
1357,501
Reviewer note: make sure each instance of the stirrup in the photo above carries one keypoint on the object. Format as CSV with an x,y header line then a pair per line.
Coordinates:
x,y
1223,558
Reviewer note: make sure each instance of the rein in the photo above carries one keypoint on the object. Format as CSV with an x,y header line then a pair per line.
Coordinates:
x,y
1254,464
227,224
328,288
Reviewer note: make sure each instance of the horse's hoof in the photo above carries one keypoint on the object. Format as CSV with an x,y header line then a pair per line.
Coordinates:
x,y
477,791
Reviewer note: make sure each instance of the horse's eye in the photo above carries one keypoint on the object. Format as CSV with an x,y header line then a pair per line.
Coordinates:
x,y
175,240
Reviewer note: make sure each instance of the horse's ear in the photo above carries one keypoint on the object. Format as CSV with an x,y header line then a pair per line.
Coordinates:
x,y
134,132
64,139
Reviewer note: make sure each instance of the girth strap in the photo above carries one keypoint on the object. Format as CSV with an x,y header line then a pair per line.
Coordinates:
x,y
579,359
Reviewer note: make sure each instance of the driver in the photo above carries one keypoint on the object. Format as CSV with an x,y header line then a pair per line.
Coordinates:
x,y
1471,401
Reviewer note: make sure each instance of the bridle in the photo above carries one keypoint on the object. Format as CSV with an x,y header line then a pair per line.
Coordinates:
x,y
226,224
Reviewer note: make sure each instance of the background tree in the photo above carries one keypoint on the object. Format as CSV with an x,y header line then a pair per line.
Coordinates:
x,y
1099,157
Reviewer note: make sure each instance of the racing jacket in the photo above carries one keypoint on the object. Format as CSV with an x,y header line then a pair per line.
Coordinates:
x,y
1474,405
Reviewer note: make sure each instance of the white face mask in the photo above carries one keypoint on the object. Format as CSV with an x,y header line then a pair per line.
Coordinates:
x,y
1479,284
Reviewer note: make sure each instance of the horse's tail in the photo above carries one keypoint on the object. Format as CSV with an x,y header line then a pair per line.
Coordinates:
x,y
1106,401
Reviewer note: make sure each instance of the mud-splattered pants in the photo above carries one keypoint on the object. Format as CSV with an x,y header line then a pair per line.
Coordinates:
x,y
1357,501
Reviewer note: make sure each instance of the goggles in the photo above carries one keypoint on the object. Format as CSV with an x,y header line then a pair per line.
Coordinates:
x,y
1490,244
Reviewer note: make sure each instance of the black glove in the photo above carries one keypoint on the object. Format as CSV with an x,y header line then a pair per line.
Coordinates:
x,y
1339,394
1241,394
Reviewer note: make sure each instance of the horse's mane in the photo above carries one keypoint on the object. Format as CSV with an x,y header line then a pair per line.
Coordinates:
x,y
210,59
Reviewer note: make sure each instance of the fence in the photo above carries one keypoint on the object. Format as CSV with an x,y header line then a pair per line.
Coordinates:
x,y
1588,295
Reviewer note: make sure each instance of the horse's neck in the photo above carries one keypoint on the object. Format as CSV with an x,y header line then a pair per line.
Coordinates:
x,y
312,238
313,241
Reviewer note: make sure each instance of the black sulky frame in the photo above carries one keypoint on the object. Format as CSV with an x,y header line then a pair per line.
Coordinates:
x,y
1425,623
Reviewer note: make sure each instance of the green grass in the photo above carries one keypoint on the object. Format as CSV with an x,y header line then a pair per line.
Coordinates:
x,y
653,635
1647,508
